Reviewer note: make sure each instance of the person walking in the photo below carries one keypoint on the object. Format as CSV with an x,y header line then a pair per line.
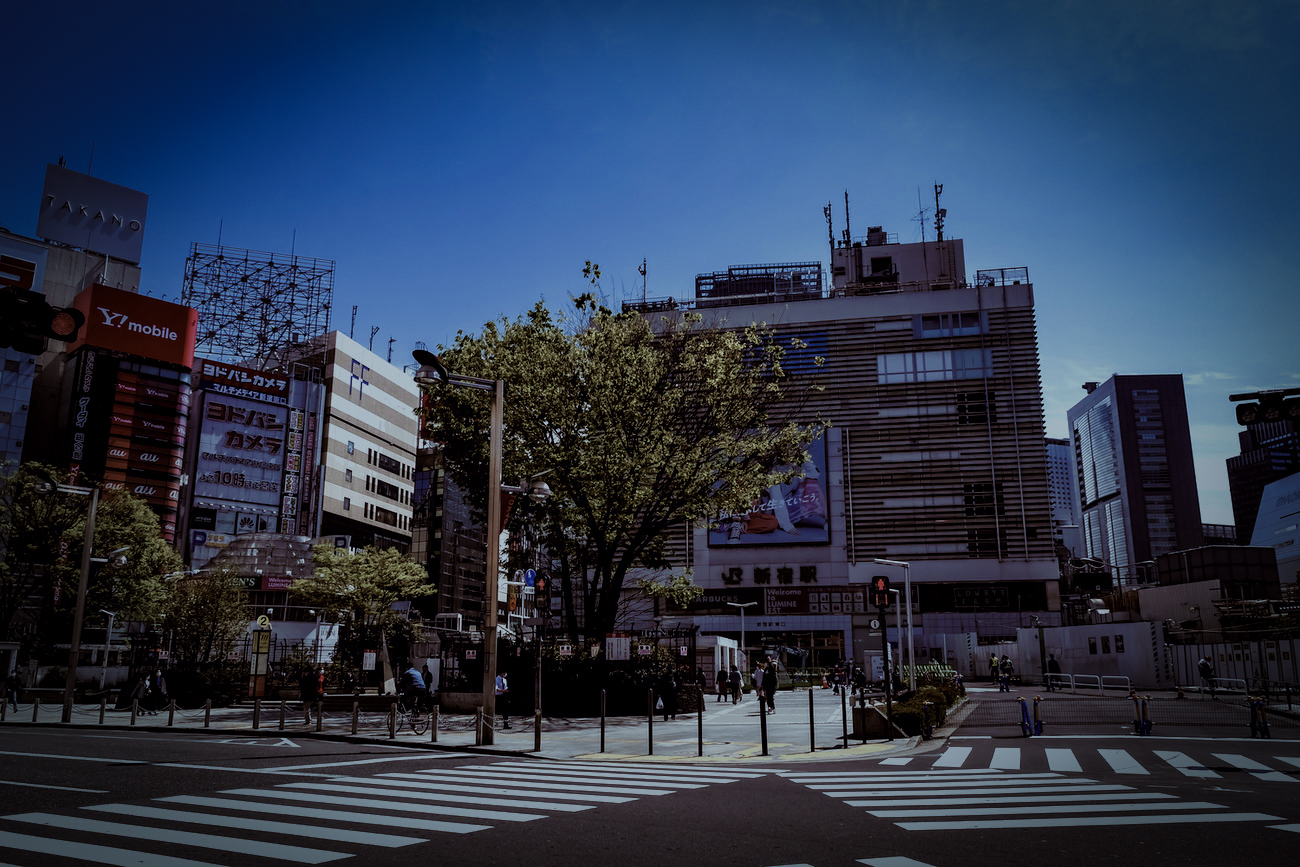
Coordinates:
x,y
1206,670
724,683
140,693
502,692
1005,666
1053,669
769,685
157,692
735,685
13,686
993,667
307,692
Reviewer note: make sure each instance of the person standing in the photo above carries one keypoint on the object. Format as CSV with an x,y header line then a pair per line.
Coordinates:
x,y
735,684
993,667
1005,666
668,694
503,691
724,682
1053,669
1206,670
13,686
307,692
157,692
769,685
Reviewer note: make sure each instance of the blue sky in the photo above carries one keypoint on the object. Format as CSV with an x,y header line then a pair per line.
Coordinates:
x,y
460,161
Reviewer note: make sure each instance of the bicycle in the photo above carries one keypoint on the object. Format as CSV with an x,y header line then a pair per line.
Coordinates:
x,y
413,715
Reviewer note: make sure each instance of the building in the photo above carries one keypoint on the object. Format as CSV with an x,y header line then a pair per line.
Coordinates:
x,y
1278,526
367,442
445,539
935,457
1134,480
1270,451
1060,481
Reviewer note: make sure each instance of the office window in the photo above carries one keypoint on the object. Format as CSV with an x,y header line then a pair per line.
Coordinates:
x,y
352,447
347,504
347,475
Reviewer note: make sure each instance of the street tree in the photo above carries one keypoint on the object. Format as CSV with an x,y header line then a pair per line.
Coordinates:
x,y
648,426
359,588
208,615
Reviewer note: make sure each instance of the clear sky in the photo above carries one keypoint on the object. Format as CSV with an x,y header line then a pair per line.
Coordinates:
x,y
459,161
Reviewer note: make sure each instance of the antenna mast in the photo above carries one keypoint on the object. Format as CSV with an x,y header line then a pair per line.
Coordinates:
x,y
920,218
374,329
830,230
642,271
848,235
352,329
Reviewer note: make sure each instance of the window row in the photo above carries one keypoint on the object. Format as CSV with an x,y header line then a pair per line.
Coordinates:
x,y
934,366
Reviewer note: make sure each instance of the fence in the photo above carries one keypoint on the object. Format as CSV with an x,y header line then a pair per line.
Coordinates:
x,y
1107,710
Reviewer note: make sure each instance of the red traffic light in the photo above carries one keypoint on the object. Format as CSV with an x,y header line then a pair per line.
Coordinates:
x,y
880,591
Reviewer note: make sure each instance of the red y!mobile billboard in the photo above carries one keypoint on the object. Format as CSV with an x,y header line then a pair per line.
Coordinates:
x,y
137,325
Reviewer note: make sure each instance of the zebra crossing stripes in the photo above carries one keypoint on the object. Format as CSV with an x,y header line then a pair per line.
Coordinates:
x,y
1084,760
1122,763
952,800
339,815
1261,772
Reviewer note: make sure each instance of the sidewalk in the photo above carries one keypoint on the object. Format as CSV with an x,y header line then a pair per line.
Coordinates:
x,y
731,733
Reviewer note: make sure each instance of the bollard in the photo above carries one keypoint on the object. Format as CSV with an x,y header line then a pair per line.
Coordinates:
x,y
36,709
284,706
602,720
356,710
4,706
257,713
319,713
537,731
699,727
762,724
1025,725
927,730
844,717
207,713
1038,718
171,711
651,729
433,725
478,726
135,708
103,706
812,725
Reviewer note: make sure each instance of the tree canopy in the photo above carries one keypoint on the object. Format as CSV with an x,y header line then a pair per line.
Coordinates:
x,y
648,427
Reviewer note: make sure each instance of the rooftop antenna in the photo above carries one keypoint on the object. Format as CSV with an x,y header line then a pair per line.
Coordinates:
x,y
830,229
353,327
221,225
848,235
920,218
939,214
641,271
391,341
374,329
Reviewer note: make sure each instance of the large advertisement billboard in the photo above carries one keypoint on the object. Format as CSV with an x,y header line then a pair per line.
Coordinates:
x,y
796,513
22,265
92,214
241,451
137,325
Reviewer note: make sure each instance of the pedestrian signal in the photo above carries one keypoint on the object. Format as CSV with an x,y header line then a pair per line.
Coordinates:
x,y
880,591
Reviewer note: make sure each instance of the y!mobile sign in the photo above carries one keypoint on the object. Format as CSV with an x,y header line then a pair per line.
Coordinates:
x,y
137,325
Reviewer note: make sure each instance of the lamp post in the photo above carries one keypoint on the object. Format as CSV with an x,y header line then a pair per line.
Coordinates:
x,y
433,372
108,643
742,606
907,594
79,613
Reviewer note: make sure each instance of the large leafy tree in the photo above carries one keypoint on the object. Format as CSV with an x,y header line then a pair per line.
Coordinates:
x,y
208,615
647,426
359,588
42,531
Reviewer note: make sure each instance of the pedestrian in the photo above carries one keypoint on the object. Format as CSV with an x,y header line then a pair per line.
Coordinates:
x,y
1206,669
157,692
757,676
13,686
140,694
427,676
307,692
724,682
735,684
1006,668
1053,669
769,685
702,681
668,694
502,692
993,667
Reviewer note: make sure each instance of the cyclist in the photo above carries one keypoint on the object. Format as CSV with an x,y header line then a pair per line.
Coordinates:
x,y
413,689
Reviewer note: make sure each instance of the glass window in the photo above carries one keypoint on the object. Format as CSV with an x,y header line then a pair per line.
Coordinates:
x,y
347,503
352,447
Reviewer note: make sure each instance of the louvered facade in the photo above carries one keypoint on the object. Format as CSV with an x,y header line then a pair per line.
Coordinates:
x,y
935,457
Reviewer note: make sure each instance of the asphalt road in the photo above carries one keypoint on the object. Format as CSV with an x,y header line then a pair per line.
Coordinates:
x,y
113,797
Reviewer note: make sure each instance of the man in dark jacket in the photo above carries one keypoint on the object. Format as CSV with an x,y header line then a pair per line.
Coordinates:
x,y
769,685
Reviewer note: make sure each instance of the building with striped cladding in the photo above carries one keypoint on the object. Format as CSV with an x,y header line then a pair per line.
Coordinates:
x,y
934,457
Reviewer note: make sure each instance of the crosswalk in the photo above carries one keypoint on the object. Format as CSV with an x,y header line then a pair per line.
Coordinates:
x,y
331,819
993,799
1208,764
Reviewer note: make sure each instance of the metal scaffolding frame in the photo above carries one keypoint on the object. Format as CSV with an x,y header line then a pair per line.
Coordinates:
x,y
253,306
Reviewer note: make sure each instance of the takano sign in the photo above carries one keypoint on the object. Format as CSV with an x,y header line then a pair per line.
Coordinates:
x,y
137,325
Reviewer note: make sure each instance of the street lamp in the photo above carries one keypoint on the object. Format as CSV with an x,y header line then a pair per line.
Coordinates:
x,y
433,372
108,643
742,606
907,593
74,649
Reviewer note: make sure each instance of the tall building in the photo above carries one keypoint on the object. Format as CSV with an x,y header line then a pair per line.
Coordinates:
x,y
1270,451
935,456
1060,485
1134,480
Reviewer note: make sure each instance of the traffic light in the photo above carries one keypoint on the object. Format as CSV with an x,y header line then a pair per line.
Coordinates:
x,y
880,591
27,319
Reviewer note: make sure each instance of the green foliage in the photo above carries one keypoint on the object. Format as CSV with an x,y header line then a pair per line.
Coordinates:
x,y
648,429
909,708
208,614
359,589
134,589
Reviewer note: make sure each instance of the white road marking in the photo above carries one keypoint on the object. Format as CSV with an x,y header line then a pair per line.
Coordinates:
x,y
1072,822
1262,772
1006,758
452,776
351,816
953,757
1122,763
91,853
375,799
1004,809
513,793
528,803
1062,760
1185,765
320,832
45,786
